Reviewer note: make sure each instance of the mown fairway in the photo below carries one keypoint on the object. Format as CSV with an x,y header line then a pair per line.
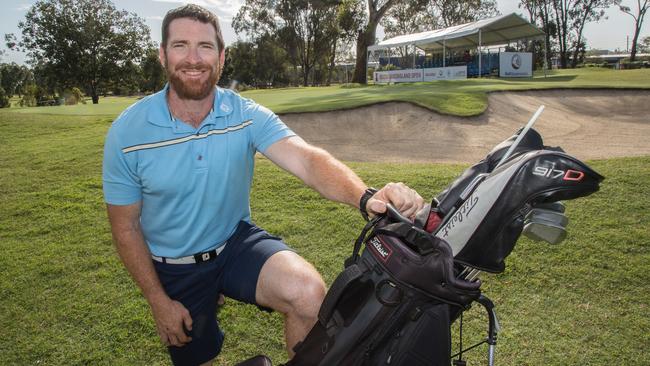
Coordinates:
x,y
65,299
456,97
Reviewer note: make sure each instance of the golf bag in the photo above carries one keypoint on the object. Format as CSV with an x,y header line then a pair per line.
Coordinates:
x,y
394,304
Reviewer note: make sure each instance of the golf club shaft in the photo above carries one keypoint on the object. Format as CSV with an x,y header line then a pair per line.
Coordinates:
x,y
521,135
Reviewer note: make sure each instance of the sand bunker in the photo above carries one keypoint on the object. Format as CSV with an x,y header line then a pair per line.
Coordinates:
x,y
589,124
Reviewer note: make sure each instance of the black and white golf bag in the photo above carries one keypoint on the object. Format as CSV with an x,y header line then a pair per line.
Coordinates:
x,y
394,303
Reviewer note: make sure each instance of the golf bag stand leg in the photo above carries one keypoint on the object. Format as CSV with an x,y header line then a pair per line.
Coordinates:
x,y
493,327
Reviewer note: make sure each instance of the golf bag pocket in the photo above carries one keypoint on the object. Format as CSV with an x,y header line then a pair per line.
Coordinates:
x,y
423,339
417,259
353,317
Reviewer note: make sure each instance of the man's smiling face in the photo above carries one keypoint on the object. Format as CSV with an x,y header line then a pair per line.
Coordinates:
x,y
192,58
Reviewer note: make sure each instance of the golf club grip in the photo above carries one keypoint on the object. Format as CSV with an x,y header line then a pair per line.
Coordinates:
x,y
393,213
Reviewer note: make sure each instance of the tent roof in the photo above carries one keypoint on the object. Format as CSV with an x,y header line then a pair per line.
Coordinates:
x,y
494,31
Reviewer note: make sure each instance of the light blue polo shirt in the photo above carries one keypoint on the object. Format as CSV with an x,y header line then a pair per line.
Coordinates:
x,y
194,184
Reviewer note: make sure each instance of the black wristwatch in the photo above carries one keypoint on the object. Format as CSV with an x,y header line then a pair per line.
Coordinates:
x,y
364,200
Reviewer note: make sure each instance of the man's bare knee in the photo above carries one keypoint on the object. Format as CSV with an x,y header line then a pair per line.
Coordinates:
x,y
289,284
308,296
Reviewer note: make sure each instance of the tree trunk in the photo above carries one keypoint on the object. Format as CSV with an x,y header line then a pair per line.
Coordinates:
x,y
561,20
332,65
93,92
634,41
305,75
548,51
365,39
576,51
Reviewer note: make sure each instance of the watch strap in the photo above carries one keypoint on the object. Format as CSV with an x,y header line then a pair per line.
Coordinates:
x,y
367,194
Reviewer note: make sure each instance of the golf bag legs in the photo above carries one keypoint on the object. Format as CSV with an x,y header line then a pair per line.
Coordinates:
x,y
491,340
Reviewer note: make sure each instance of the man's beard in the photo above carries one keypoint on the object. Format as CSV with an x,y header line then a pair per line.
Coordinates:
x,y
195,89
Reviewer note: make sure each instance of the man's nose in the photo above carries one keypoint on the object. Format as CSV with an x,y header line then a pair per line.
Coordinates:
x,y
193,55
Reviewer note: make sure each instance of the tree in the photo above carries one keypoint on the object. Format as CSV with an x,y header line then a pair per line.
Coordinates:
x,y
571,16
86,43
644,45
13,78
4,99
351,18
240,59
260,63
642,8
302,27
270,60
306,27
459,12
563,21
540,12
153,74
408,18
366,37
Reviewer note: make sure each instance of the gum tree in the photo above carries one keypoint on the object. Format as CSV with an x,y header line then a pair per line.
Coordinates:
x,y
85,43
642,8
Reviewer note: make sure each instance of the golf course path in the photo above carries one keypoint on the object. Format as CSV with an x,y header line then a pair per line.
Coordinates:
x,y
589,124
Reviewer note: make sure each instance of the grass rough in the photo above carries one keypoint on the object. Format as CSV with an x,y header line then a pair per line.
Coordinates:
x,y
65,298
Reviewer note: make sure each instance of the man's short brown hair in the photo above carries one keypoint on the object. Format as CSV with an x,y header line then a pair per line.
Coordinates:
x,y
193,12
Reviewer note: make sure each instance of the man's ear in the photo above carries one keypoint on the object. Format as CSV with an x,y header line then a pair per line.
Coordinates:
x,y
222,57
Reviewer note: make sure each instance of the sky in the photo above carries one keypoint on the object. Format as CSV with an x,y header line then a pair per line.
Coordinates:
x,y
611,33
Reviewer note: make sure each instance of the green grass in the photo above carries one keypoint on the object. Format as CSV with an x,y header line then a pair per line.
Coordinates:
x,y
65,298
457,97
108,106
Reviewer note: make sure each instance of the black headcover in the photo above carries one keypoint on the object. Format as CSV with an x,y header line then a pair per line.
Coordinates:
x,y
450,196
483,210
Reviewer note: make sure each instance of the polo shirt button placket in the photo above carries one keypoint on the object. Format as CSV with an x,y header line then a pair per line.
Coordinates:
x,y
199,148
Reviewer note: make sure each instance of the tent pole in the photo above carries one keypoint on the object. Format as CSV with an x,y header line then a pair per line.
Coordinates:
x,y
479,52
545,58
444,53
367,62
414,56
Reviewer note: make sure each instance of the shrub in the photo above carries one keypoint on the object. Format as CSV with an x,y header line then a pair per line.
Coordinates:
x,y
4,99
73,96
388,67
29,96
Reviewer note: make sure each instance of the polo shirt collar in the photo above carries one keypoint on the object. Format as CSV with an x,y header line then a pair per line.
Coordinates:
x,y
160,115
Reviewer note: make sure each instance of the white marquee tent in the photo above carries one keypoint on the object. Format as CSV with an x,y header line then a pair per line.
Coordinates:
x,y
487,32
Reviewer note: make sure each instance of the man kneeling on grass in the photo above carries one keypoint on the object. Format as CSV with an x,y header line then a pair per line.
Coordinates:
x,y
177,173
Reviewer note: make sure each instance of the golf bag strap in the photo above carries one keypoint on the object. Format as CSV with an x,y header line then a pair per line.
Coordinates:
x,y
418,238
349,275
357,245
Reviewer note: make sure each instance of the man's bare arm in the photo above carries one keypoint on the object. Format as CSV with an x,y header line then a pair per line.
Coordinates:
x,y
134,253
334,180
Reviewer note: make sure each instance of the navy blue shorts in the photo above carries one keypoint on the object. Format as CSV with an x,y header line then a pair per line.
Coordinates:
x,y
233,273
